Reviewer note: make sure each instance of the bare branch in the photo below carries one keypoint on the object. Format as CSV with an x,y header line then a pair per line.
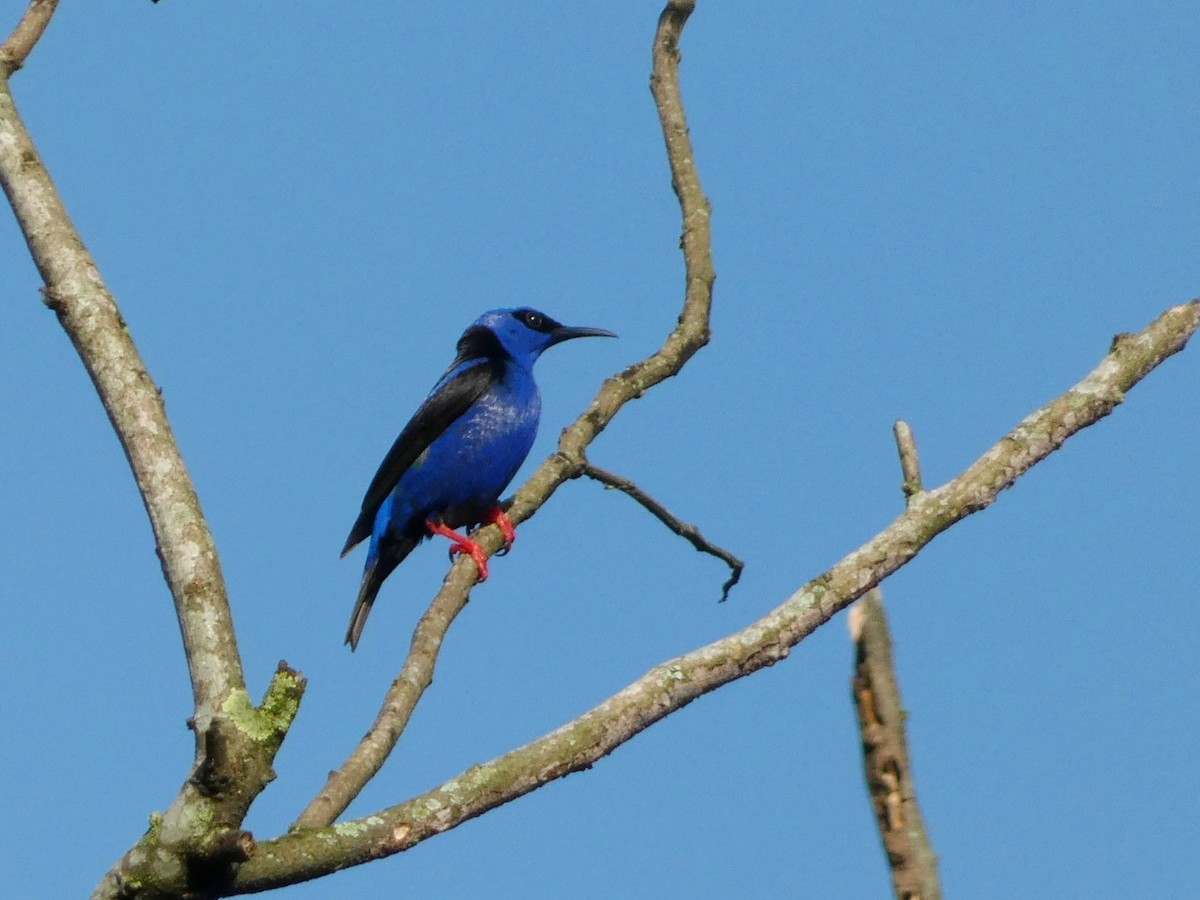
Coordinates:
x,y
235,741
415,677
691,333
88,313
311,853
15,50
910,462
688,532
886,762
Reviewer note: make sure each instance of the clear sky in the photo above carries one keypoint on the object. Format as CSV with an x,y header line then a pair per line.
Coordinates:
x,y
941,212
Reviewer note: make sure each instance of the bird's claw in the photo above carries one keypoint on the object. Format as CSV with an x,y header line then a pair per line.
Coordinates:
x,y
498,517
476,553
460,544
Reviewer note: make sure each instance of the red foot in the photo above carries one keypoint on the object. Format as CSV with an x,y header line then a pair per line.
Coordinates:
x,y
497,516
463,545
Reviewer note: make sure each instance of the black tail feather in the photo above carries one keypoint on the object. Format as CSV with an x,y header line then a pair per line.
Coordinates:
x,y
360,532
391,554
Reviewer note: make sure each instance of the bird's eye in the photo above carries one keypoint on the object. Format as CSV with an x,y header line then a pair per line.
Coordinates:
x,y
532,319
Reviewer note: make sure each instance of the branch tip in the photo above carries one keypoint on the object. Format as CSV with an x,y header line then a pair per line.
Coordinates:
x,y
910,461
688,532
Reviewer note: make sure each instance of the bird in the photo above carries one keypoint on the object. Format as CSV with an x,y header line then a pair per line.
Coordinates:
x,y
459,451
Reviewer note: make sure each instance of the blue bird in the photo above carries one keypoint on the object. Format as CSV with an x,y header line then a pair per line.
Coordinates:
x,y
449,465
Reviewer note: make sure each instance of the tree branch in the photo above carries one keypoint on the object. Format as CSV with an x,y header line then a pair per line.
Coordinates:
x,y
887,765
416,675
691,333
311,853
15,50
88,313
193,849
199,836
886,762
688,532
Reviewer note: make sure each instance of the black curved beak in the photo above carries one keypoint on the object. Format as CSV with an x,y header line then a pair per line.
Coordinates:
x,y
568,332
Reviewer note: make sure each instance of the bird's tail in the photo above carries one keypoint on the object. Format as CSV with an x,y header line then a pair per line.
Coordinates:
x,y
379,567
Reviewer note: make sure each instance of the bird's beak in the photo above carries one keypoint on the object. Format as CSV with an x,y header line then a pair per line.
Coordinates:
x,y
567,332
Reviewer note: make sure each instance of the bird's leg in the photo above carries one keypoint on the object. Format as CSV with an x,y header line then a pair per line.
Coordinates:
x,y
498,517
462,545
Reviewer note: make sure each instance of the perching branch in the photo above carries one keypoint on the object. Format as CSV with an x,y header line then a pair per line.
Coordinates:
x,y
691,333
311,853
886,762
688,532
15,50
198,847
199,837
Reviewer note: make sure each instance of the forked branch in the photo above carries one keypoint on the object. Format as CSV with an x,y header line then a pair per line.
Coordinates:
x,y
311,853
887,765
691,333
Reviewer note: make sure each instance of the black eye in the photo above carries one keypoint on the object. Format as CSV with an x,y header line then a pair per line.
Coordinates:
x,y
534,320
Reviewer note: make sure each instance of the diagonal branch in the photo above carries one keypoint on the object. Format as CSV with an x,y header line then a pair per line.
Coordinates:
x,y
688,532
416,675
15,50
691,333
311,853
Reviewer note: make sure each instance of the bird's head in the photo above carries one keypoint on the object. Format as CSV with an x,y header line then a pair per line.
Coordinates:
x,y
519,333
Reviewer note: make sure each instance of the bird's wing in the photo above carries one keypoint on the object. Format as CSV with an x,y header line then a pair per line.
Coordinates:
x,y
453,397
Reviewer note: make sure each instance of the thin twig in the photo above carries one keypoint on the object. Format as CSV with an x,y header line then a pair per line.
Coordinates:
x,y
15,50
910,461
690,334
886,761
311,853
688,532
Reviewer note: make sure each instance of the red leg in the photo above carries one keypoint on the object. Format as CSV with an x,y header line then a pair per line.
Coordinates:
x,y
462,545
497,516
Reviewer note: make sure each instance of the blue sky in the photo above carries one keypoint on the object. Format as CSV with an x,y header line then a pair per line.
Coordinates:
x,y
940,212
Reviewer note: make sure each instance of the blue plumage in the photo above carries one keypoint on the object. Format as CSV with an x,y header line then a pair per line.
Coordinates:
x,y
451,462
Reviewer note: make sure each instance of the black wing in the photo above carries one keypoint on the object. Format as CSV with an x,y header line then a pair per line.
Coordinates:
x,y
436,414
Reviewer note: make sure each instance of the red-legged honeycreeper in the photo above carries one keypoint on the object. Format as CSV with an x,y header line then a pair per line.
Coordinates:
x,y
460,451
